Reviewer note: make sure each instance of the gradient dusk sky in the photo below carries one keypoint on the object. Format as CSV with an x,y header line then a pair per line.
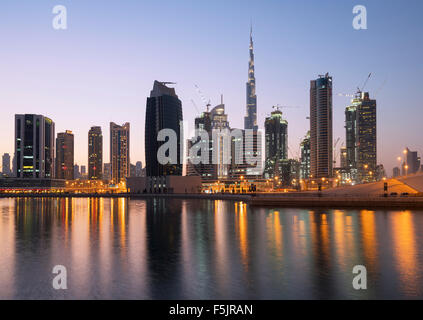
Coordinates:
x,y
103,66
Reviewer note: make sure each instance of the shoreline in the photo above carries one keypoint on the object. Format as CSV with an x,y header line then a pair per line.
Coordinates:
x,y
297,200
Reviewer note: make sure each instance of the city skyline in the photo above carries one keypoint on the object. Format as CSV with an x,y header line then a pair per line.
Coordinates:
x,y
31,85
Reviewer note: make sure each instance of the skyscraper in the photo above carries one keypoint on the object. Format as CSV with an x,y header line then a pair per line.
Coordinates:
x,y
138,169
119,152
95,153
219,121
343,157
200,164
6,165
65,155
107,171
412,162
76,172
305,157
276,131
215,123
321,152
34,146
164,111
250,121
361,139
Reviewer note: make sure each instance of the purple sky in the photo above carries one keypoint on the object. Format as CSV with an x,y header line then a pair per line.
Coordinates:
x,y
102,68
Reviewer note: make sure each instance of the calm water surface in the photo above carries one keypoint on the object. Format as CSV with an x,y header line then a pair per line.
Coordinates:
x,y
201,249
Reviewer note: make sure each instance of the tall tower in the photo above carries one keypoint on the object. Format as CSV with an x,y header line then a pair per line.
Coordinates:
x,y
95,153
276,129
361,139
65,155
34,147
250,120
6,165
321,145
119,152
164,111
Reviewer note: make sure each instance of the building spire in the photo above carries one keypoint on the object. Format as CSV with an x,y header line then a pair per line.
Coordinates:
x,y
250,121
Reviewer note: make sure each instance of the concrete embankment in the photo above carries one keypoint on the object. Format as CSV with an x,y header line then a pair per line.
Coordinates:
x,y
339,202
286,200
217,196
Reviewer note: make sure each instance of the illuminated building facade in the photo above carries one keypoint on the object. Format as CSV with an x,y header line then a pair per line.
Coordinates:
x,y
321,145
305,157
34,147
250,121
119,152
361,138
246,158
95,154
276,137
412,162
65,155
219,122
199,164
343,157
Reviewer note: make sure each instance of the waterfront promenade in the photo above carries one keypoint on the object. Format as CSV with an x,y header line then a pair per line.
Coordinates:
x,y
403,193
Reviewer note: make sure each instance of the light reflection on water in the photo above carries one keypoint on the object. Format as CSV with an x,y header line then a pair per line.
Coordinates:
x,y
204,249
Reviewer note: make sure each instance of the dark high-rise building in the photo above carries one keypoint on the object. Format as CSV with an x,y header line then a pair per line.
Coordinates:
x,y
119,152
138,169
107,171
412,162
396,172
132,170
164,111
250,121
95,153
321,152
344,158
65,155
276,132
6,165
34,146
305,157
76,172
361,139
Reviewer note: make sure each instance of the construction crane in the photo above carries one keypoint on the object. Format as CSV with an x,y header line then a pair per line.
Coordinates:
x,y
200,93
380,88
335,151
297,153
359,91
365,83
195,106
346,95
278,106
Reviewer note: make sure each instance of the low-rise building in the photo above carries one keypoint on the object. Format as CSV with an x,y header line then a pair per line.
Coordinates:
x,y
164,184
